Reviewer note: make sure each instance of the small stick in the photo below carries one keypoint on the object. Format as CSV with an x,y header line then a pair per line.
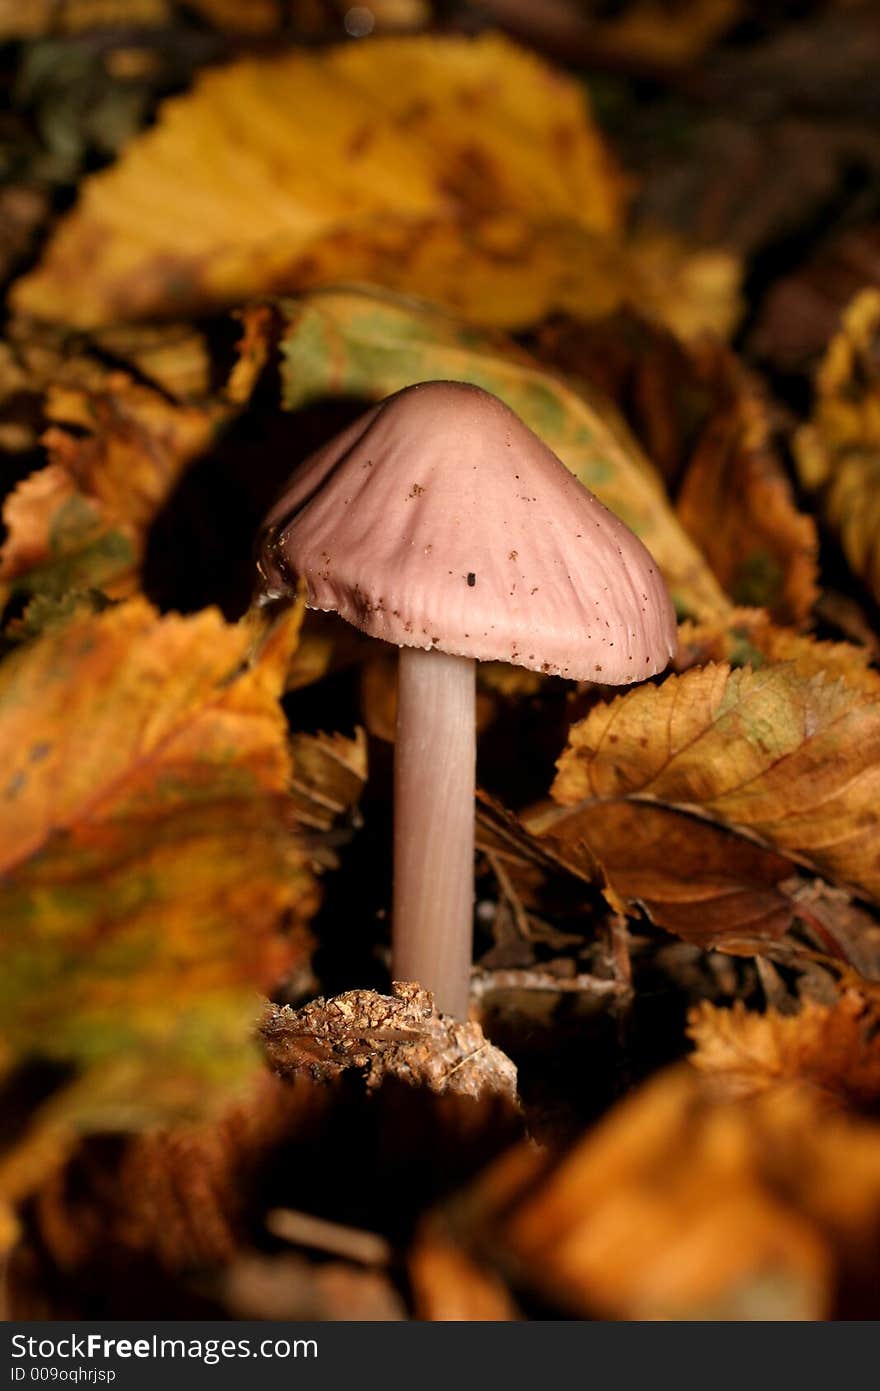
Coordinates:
x,y
352,1243
487,982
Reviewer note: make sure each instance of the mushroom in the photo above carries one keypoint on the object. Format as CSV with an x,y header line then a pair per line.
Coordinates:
x,y
439,522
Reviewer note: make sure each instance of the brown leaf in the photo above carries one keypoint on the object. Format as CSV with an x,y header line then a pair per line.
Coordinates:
x,y
801,311
838,453
834,1049
117,448
652,36
783,753
693,878
704,421
329,772
737,504
184,1195
679,1205
749,638
147,860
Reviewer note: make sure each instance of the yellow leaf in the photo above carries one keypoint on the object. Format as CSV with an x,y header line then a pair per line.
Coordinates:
x,y
703,420
463,170
833,1049
748,638
681,1206
838,453
780,753
116,448
737,504
147,856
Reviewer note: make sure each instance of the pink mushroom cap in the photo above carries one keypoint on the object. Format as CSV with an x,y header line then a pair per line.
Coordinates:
x,y
438,519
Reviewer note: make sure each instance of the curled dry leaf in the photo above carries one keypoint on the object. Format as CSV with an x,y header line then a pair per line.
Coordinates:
x,y
382,1036
737,504
705,423
347,342
681,1206
834,1049
329,772
472,143
644,36
693,878
789,755
801,311
117,448
148,861
749,638
186,1197
838,453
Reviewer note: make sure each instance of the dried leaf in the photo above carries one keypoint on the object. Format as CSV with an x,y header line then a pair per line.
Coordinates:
x,y
186,1197
834,1049
693,878
117,448
652,35
77,16
801,311
351,342
749,638
329,772
707,425
174,357
782,753
147,860
737,504
384,1036
474,141
450,1287
838,453
681,1206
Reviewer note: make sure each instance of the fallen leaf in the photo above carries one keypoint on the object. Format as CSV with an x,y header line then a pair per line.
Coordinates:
x,y
148,859
185,1197
449,1287
788,755
116,448
174,357
801,311
748,637
703,419
737,504
407,138
838,453
698,880
833,1049
77,16
653,36
682,1206
329,772
355,343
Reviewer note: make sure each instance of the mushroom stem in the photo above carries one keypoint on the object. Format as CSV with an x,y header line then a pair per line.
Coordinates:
x,y
434,785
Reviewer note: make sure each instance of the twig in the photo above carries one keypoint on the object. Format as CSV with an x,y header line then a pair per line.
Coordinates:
x,y
487,982
511,897
352,1243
